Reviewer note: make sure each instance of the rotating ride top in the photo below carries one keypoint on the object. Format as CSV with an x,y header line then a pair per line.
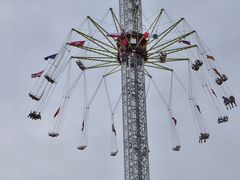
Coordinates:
x,y
126,45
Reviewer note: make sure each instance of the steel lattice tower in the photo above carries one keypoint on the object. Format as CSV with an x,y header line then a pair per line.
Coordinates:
x,y
136,160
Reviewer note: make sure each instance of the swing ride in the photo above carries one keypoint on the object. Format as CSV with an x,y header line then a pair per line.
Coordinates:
x,y
134,48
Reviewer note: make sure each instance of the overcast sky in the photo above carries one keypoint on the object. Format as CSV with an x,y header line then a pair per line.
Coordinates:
x,y
33,29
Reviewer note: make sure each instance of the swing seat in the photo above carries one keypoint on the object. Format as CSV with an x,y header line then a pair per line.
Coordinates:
x,y
163,57
232,99
219,81
114,153
81,147
177,148
222,119
226,101
199,63
195,67
31,115
80,65
203,137
53,134
38,116
34,97
224,78
49,79
34,115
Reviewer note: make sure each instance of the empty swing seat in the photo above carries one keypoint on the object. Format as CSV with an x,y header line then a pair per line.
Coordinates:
x,y
114,153
80,65
53,134
177,148
222,119
34,97
81,147
49,79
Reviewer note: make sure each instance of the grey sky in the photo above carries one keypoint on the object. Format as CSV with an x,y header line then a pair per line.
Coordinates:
x,y
33,29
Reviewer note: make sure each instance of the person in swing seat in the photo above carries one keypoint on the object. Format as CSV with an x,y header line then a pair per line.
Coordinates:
x,y
226,102
232,101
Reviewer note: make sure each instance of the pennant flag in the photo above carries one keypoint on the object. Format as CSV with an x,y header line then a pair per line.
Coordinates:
x,y
198,108
145,35
216,71
123,42
210,57
114,130
114,35
57,112
214,92
82,126
185,42
50,57
174,120
38,74
76,43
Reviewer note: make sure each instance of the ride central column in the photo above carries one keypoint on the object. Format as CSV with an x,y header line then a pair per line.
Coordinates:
x,y
132,55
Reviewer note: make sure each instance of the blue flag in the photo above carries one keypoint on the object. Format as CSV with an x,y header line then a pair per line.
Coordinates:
x,y
51,57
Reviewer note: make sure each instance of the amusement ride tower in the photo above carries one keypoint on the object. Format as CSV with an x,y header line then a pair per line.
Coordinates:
x,y
136,160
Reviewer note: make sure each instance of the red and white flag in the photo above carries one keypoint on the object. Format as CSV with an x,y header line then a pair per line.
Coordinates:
x,y
123,42
76,43
114,35
38,74
146,35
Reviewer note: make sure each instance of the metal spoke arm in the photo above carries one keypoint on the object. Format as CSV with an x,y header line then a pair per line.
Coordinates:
x,y
171,51
98,51
116,21
164,34
97,59
102,65
156,59
113,71
155,22
94,41
102,31
147,73
171,42
155,65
